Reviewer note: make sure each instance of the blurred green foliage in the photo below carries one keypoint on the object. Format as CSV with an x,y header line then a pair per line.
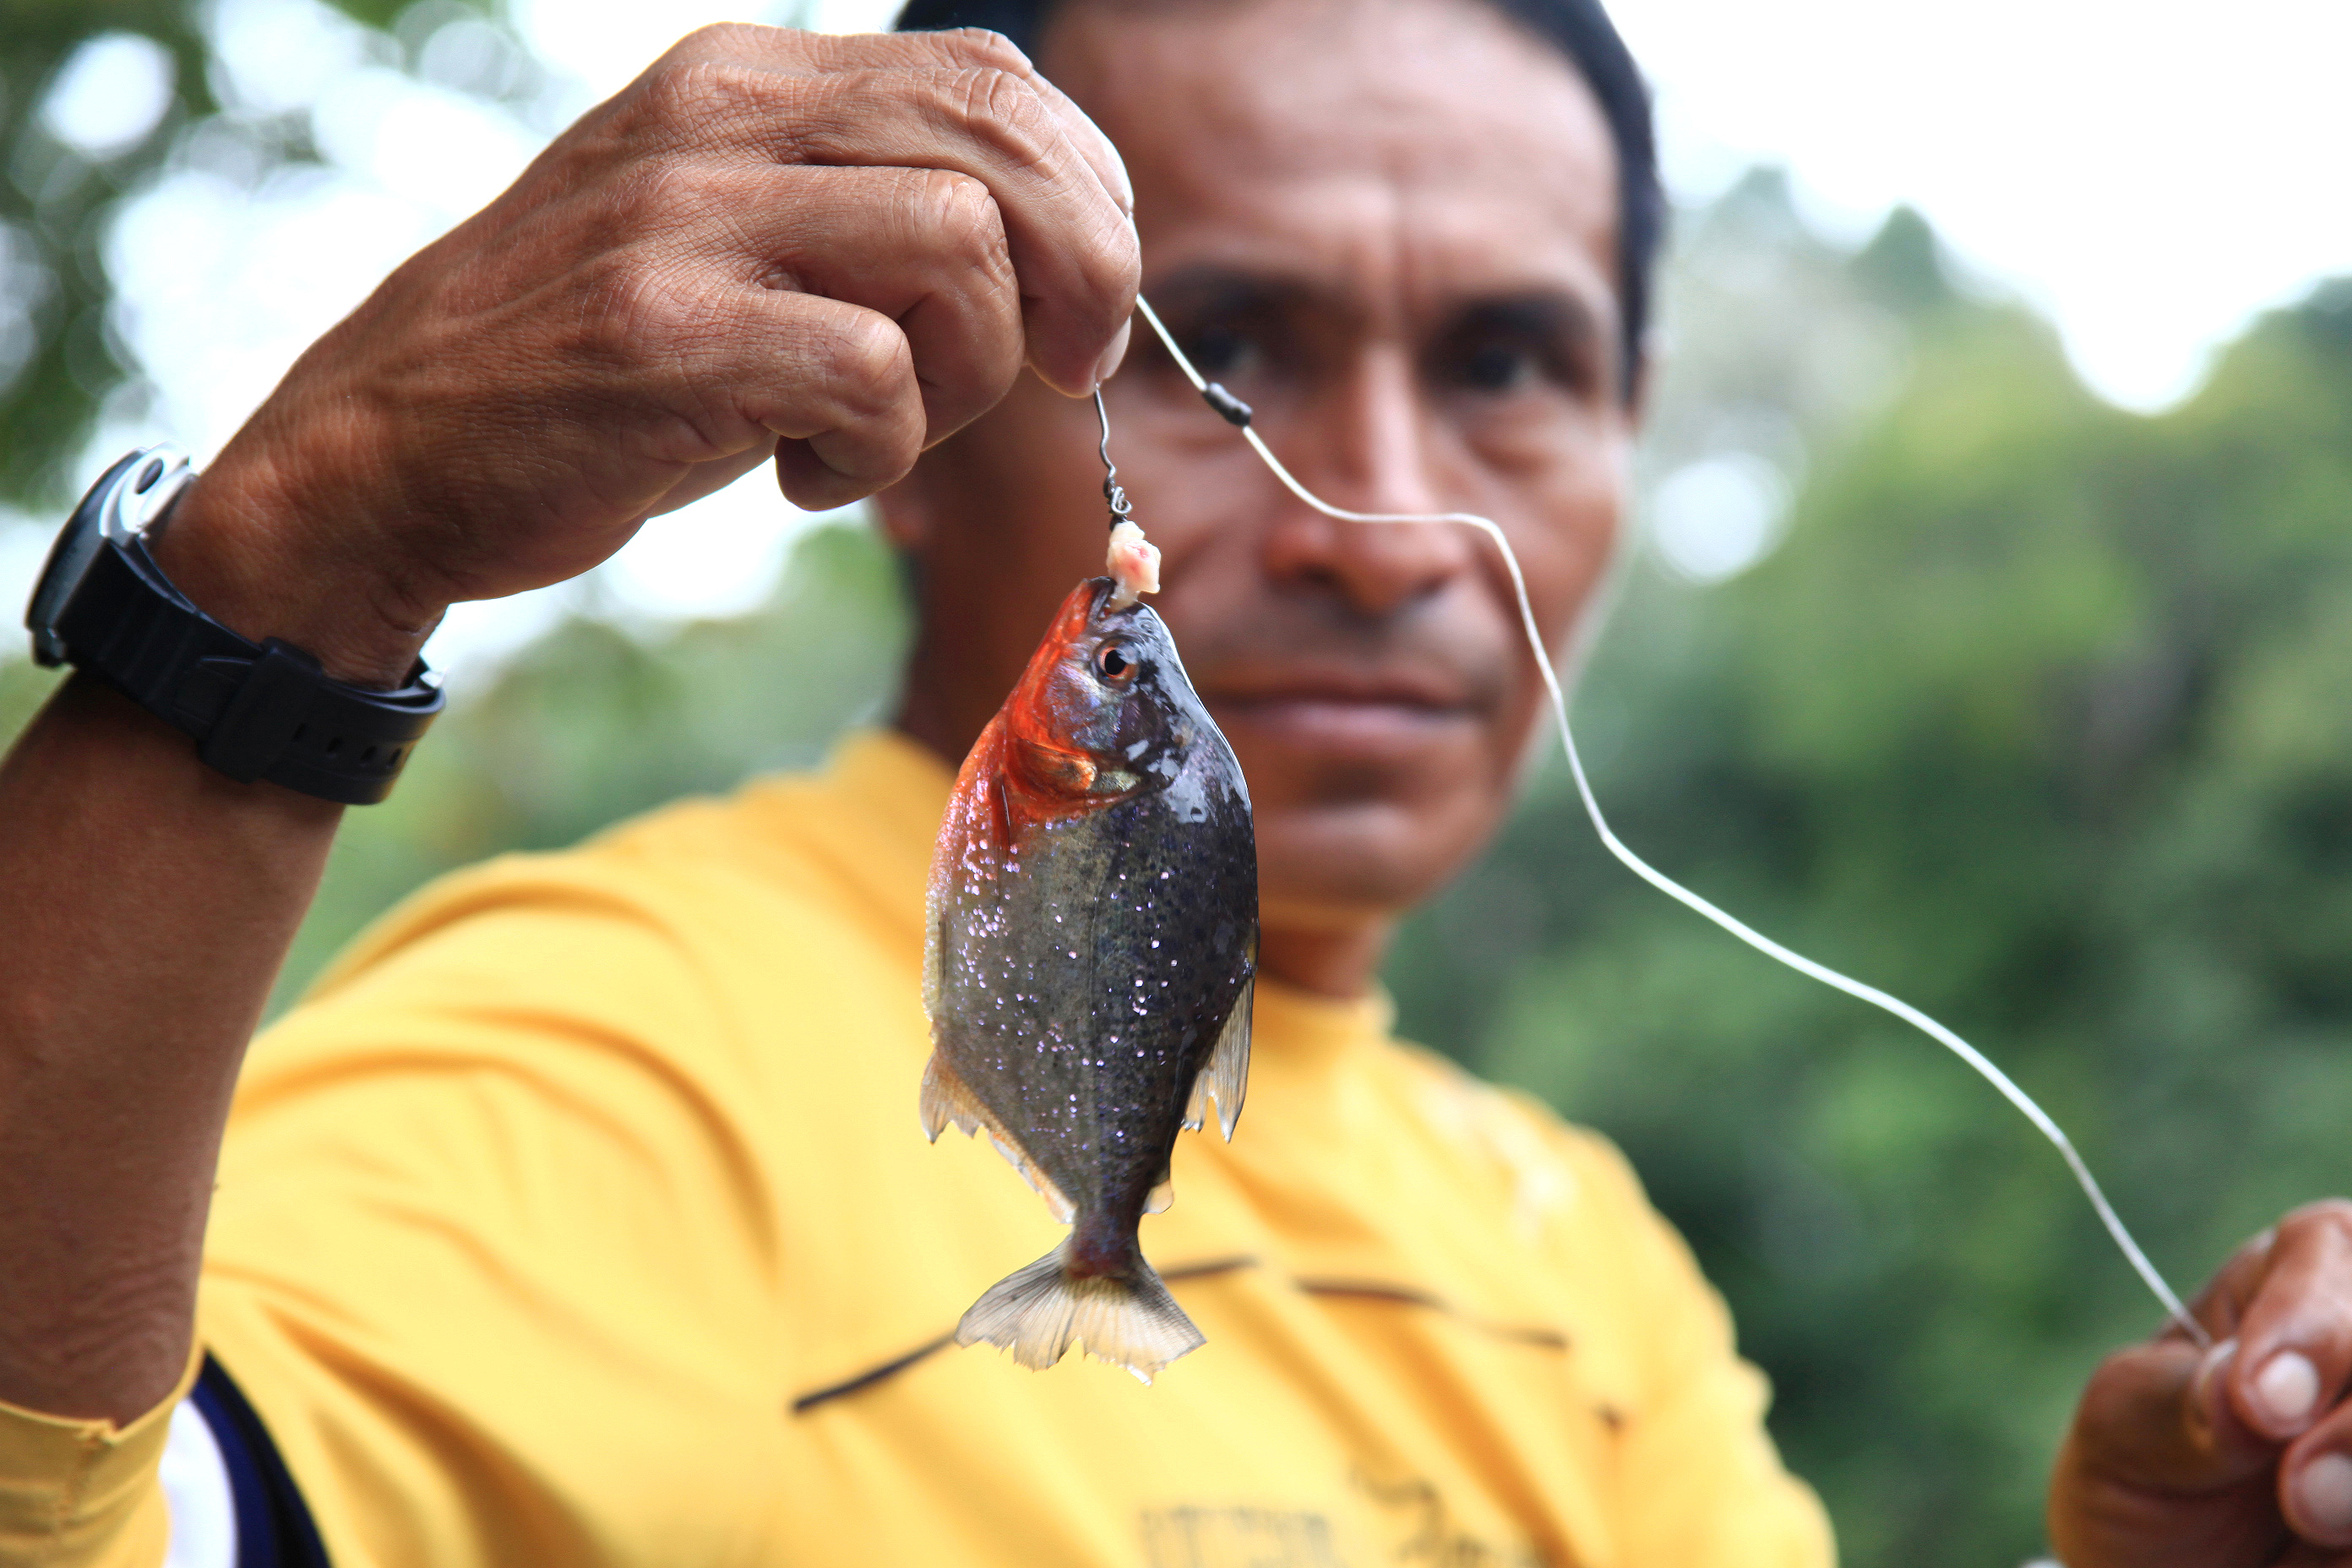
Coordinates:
x,y
52,206
61,358
2036,718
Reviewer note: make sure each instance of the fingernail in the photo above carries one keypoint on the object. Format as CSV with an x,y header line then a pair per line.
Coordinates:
x,y
1106,367
1123,191
2324,1493
2286,1388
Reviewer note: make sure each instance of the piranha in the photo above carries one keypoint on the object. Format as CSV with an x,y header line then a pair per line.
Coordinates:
x,y
1090,950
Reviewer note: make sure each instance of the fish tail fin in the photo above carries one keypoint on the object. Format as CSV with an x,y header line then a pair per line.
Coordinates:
x,y
1127,1319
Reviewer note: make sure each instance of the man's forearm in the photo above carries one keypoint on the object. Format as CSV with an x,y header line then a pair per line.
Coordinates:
x,y
608,338
146,903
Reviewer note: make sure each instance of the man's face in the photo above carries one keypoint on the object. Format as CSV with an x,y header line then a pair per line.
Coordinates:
x,y
1390,226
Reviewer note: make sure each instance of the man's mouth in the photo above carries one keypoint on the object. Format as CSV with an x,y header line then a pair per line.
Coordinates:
x,y
1345,710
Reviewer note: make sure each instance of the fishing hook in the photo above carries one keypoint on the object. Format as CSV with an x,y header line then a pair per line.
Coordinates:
x,y
1113,492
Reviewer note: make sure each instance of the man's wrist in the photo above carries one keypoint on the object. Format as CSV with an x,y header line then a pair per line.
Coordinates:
x,y
242,550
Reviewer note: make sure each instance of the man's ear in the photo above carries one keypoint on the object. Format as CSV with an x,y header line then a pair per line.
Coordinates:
x,y
904,514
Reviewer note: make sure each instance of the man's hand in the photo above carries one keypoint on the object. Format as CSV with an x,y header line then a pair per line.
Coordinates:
x,y
2234,1457
836,250
832,251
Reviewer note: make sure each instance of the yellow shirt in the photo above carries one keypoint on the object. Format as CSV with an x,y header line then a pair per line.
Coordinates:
x,y
582,1216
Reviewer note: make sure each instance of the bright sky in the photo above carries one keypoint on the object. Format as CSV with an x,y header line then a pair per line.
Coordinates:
x,y
2149,174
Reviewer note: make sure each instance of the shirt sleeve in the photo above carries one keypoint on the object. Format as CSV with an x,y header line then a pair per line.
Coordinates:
x,y
85,1494
1703,1485
492,1256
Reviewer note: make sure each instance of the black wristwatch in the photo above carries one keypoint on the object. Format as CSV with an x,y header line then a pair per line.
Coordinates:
x,y
255,712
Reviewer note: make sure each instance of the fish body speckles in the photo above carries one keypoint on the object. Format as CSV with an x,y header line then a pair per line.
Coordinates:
x,y
1091,945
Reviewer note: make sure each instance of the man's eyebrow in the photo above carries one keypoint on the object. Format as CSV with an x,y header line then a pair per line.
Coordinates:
x,y
1211,289
1535,312
1541,311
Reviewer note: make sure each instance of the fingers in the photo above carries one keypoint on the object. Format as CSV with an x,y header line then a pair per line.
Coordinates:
x,y
952,102
2175,1453
2295,1329
977,47
855,424
2225,1296
923,246
833,381
2314,1487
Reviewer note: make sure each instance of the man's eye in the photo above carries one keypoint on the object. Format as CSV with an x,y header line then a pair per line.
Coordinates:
x,y
1498,367
1221,353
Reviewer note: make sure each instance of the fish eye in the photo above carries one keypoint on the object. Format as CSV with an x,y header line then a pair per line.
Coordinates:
x,y
1115,662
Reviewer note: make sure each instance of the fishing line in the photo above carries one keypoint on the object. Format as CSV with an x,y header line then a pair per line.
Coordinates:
x,y
1237,413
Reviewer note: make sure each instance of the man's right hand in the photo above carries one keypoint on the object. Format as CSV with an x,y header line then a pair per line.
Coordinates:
x,y
833,250
836,250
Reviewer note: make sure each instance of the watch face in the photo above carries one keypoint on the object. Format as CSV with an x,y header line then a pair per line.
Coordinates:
x,y
130,495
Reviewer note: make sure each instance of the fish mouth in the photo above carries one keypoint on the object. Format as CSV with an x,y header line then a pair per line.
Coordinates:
x,y
1100,613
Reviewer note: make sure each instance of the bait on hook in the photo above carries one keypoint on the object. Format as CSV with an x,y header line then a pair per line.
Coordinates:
x,y
1133,563
1129,566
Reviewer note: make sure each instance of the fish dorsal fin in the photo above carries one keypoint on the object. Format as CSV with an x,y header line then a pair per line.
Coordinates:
x,y
1225,1078
946,1099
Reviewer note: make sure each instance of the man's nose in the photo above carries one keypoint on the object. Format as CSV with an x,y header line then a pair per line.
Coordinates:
x,y
1364,445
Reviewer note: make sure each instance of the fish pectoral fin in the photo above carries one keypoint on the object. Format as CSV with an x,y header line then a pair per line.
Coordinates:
x,y
1059,767
934,957
1162,1197
1225,1078
946,1100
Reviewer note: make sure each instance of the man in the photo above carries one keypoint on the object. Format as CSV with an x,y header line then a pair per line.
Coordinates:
x,y
580,1216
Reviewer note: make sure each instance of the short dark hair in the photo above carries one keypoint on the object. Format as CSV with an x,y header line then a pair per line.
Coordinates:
x,y
1579,29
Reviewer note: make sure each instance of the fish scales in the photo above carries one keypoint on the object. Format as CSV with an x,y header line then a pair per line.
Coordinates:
x,y
1091,946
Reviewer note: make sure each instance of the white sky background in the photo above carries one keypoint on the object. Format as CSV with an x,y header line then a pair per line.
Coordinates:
x,y
2149,174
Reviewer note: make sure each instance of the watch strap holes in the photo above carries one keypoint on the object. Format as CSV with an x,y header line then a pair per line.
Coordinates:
x,y
148,476
259,722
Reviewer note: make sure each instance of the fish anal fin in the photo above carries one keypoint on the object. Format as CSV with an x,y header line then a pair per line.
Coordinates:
x,y
1127,1319
1162,1197
1034,1174
946,1101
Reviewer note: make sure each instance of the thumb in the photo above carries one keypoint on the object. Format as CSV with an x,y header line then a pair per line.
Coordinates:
x,y
2158,1417
2157,1470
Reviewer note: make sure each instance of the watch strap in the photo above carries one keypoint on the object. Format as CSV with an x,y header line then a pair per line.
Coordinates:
x,y
255,712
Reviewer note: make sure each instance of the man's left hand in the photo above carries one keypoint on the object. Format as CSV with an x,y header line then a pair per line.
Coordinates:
x,y
2236,1456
